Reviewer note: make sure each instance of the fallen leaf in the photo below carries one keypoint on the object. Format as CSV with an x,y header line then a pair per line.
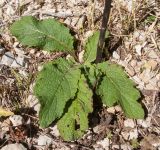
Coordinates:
x,y
5,113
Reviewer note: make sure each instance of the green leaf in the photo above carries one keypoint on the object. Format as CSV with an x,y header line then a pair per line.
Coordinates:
x,y
91,47
92,74
150,19
117,88
74,123
47,34
55,85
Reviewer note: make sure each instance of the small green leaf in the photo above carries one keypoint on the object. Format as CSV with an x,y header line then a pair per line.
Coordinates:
x,y
47,34
55,85
91,47
150,19
92,74
74,123
117,88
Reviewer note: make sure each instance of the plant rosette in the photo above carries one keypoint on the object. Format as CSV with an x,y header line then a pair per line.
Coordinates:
x,y
65,87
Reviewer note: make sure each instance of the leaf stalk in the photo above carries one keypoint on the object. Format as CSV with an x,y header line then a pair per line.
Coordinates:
x,y
101,42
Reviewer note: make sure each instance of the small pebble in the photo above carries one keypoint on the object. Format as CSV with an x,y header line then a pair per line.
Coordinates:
x,y
16,120
138,49
19,51
136,34
68,21
32,51
144,123
15,146
142,36
129,123
33,102
118,108
98,129
111,110
10,11
7,59
115,55
40,67
104,143
133,134
44,140
18,62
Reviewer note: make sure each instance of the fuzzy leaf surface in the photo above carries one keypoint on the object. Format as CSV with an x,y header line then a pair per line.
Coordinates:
x,y
47,34
117,88
55,85
91,47
74,123
92,74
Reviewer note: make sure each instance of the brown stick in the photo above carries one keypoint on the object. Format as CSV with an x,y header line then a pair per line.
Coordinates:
x,y
103,29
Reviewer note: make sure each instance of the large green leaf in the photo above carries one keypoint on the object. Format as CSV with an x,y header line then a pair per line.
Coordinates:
x,y
47,34
117,88
74,123
55,85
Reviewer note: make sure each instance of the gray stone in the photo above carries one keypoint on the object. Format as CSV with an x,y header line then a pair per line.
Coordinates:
x,y
33,102
133,134
129,123
144,123
16,120
7,59
14,147
115,55
44,140
18,62
104,143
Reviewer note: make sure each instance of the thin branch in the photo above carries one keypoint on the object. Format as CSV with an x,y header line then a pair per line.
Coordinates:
x,y
103,29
